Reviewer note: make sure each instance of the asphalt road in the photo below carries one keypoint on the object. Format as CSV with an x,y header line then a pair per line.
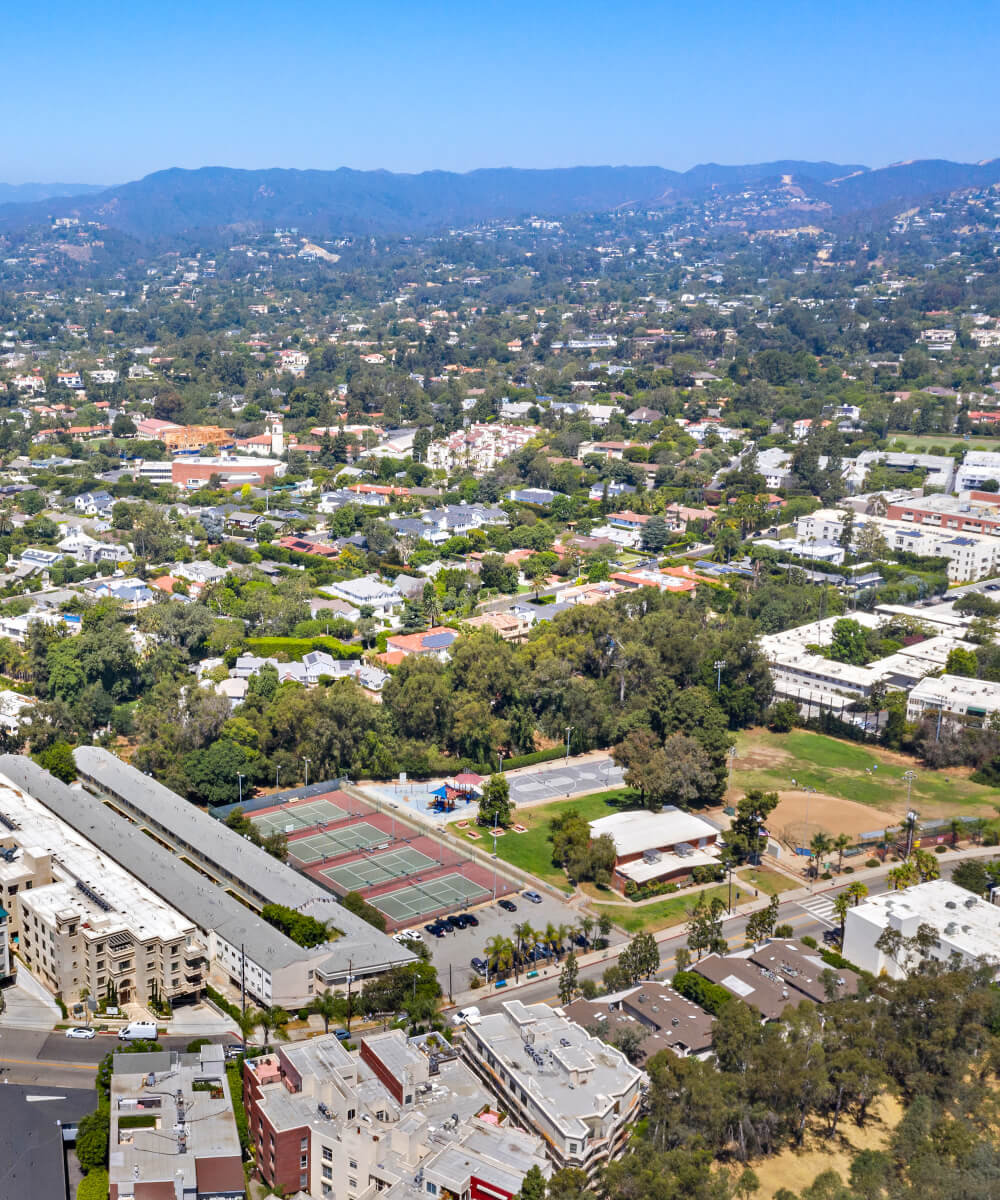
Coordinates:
x,y
810,916
32,1056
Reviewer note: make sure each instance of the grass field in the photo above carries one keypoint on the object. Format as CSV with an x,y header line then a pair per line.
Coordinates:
x,y
764,880
672,910
772,760
532,851
922,442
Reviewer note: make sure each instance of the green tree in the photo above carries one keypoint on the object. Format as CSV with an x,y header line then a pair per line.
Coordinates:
x,y
57,759
568,979
533,1185
92,1138
705,934
849,643
495,808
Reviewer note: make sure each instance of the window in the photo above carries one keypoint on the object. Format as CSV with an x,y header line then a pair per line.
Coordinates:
x,y
327,1154
304,1161
352,1183
432,1189
328,1172
350,1114
99,965
303,1182
304,1144
352,1164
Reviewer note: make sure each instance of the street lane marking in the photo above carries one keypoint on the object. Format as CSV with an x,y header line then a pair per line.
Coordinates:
x,y
46,1062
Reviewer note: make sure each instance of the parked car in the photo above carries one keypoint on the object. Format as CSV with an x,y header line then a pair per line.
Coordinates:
x,y
235,1049
138,1031
341,1035
507,905
479,965
452,923
413,935
470,920
458,921
81,1033
466,1014
532,896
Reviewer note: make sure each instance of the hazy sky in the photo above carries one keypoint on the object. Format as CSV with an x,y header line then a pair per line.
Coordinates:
x,y
111,91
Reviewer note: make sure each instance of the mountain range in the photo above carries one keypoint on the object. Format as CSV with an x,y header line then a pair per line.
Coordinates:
x,y
345,201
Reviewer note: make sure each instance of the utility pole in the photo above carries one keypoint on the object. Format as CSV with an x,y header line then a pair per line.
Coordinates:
x,y
243,979
720,666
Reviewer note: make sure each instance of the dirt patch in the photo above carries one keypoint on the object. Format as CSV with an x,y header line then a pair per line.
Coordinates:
x,y
800,815
760,757
796,1169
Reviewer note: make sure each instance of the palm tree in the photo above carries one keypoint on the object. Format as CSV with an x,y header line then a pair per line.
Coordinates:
x,y
274,1017
499,953
857,891
841,904
248,1020
840,844
550,938
526,939
325,1004
819,846
586,927
565,935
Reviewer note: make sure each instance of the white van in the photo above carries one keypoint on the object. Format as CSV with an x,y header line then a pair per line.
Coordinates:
x,y
136,1031
468,1015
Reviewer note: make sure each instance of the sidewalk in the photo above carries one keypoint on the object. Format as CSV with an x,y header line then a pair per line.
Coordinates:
x,y
677,932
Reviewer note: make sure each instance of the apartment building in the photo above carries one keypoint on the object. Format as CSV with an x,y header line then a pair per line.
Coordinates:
x,y
236,865
172,1129
243,949
402,1112
579,1094
977,467
958,699
480,448
5,961
81,922
969,512
970,555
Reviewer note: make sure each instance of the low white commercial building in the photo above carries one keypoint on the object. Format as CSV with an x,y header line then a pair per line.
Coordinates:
x,y
963,925
657,846
579,1094
977,468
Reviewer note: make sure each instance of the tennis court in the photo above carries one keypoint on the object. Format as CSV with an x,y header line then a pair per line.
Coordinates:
x,y
331,842
292,817
416,899
379,868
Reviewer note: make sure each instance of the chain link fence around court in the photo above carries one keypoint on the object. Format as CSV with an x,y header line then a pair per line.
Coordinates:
x,y
419,900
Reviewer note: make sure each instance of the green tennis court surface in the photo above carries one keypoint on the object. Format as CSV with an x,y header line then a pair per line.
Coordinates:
x,y
332,842
380,868
419,898
299,816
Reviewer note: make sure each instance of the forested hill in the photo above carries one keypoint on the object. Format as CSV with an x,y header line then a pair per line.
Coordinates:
x,y
347,201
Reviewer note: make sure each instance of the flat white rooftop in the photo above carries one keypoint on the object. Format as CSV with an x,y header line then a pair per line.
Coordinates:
x,y
634,832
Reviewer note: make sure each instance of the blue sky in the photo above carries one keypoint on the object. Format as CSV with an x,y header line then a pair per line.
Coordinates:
x,y
111,91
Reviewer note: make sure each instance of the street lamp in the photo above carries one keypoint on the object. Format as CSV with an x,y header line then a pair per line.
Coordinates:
x,y
720,666
277,772
569,730
911,822
307,761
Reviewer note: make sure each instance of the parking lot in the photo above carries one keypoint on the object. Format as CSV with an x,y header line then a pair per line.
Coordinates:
x,y
455,949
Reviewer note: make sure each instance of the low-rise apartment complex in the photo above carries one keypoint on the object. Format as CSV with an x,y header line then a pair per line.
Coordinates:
x,y
403,1113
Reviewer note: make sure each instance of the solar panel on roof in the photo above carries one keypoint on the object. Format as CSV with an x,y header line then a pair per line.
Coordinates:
x,y
439,640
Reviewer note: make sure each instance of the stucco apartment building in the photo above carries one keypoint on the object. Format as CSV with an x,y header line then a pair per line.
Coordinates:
x,y
400,1113
81,922
579,1094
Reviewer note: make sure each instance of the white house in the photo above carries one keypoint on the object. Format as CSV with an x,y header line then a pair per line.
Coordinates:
x,y
370,591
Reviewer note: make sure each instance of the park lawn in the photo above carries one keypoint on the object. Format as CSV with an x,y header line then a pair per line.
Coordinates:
x,y
672,910
922,442
532,851
765,880
839,769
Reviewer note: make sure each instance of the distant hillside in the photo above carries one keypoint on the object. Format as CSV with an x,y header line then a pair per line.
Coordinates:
x,y
345,201
27,193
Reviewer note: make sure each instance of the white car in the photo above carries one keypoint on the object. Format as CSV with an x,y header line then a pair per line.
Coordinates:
x,y
407,935
80,1032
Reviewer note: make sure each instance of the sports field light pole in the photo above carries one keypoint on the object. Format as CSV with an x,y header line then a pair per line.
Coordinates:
x,y
239,779
307,761
494,861
720,666
731,752
277,772
569,730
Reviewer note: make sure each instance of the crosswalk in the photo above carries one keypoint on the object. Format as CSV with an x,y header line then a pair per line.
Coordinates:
x,y
821,907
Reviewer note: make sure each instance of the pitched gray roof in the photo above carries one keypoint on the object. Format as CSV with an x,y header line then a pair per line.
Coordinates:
x,y
227,852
